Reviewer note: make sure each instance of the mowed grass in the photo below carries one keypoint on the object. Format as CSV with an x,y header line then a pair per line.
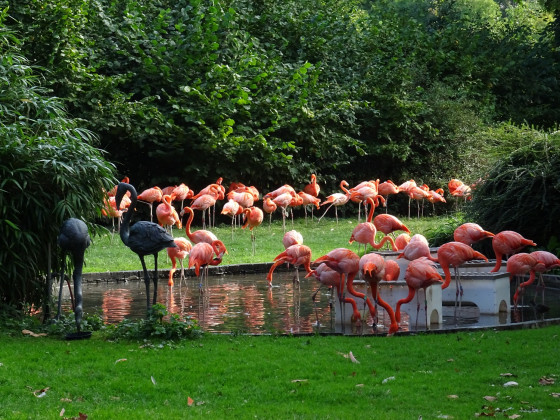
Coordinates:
x,y
108,253
456,375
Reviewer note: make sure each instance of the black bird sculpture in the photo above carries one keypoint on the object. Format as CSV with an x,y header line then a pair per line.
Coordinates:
x,y
143,238
73,239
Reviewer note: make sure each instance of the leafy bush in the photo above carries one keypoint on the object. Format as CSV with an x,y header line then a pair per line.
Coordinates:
x,y
50,170
522,191
158,325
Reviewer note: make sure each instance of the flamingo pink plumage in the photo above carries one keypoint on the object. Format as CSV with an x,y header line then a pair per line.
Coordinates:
x,y
506,243
253,218
166,214
180,252
470,233
197,236
521,264
296,255
336,200
202,255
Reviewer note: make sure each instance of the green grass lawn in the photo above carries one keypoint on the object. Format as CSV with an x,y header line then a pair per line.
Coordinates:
x,y
457,375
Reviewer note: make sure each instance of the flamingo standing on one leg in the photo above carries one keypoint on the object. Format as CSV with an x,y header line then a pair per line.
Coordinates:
x,y
253,218
470,233
202,254
296,255
283,201
232,209
151,196
421,273
269,207
179,252
385,189
143,238
372,267
181,192
312,188
506,243
167,215
456,254
198,235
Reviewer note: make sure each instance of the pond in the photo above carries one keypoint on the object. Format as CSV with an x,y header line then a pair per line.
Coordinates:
x,y
243,303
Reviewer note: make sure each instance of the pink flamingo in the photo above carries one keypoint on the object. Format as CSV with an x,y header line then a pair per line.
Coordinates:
x,y
269,207
167,215
547,261
521,264
313,188
386,189
202,254
180,252
151,196
203,202
296,255
506,243
402,241
364,233
283,201
253,218
388,224
336,200
308,199
416,248
470,233
197,236
292,237
232,209
181,192
372,267
421,273
456,254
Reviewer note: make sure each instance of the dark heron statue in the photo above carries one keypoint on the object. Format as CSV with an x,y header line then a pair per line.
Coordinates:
x,y
73,239
143,238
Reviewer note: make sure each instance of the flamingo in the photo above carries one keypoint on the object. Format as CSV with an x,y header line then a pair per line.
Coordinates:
x,y
508,242
421,273
232,209
363,191
331,278
387,223
198,235
143,238
392,270
308,199
416,248
547,261
372,267
436,197
336,200
418,194
470,233
73,239
203,201
402,241
167,215
151,196
456,254
281,190
201,255
406,187
253,218
386,189
296,255
292,237
364,233
179,252
283,201
181,192
168,190
347,263
521,264
269,207
313,188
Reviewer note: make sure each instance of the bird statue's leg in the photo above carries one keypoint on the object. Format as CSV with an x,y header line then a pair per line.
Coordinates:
x,y
58,312
78,308
155,279
146,282
456,293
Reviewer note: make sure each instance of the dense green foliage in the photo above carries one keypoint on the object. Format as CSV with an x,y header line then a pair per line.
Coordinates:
x,y
49,171
522,191
253,91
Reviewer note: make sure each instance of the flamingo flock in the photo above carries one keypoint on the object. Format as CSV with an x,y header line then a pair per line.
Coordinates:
x,y
338,268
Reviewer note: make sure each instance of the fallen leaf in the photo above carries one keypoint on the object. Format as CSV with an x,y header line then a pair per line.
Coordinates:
x,y
40,393
190,401
450,360
390,378
62,412
489,398
359,385
153,380
546,381
120,360
511,383
32,334
300,380
514,416
453,396
507,374
65,400
556,394
352,358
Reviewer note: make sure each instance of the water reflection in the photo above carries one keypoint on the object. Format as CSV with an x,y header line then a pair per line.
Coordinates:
x,y
244,303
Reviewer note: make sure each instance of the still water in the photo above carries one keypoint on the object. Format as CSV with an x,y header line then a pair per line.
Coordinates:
x,y
245,304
